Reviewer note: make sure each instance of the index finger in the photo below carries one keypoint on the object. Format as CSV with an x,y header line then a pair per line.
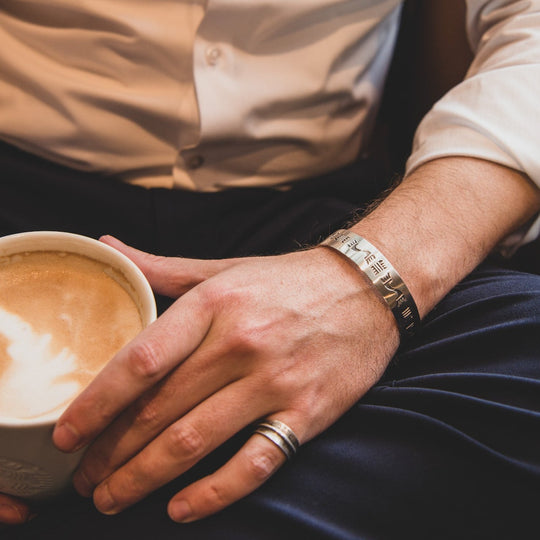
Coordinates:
x,y
133,370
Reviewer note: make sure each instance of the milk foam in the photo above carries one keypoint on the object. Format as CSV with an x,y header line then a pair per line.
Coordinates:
x,y
63,316
37,381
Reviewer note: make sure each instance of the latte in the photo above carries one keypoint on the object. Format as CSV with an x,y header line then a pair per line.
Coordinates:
x,y
62,318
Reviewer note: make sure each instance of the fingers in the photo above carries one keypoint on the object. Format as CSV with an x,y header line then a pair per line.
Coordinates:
x,y
179,447
199,377
170,276
136,368
246,471
13,511
290,347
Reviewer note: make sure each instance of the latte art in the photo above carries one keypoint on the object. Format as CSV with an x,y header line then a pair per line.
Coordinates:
x,y
62,318
36,380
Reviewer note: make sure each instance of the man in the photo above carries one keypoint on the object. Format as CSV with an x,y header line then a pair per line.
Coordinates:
x,y
225,113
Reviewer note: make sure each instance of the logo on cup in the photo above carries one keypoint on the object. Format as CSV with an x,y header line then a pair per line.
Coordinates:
x,y
23,479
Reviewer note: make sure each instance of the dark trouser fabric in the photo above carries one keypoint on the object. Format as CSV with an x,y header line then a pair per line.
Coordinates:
x,y
447,445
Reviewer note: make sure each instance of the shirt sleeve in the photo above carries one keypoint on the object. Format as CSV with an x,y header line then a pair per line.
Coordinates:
x,y
494,114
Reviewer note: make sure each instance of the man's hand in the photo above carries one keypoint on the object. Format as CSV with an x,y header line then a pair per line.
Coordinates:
x,y
298,337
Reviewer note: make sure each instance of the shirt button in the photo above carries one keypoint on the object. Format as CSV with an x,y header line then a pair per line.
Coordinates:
x,y
194,162
213,55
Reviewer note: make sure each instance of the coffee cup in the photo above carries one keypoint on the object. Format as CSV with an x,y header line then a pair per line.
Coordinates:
x,y
67,304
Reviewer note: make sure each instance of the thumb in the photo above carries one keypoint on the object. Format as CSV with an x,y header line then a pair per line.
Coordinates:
x,y
170,276
13,511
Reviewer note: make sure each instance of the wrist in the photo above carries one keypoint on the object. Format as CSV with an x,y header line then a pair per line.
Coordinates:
x,y
444,219
418,266
381,274
354,283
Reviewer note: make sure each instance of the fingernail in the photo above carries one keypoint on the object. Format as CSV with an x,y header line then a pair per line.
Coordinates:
x,y
180,511
11,514
82,485
104,501
67,438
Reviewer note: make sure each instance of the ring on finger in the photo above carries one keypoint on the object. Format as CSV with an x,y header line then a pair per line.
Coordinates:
x,y
280,434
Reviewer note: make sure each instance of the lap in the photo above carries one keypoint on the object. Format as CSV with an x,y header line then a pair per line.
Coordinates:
x,y
462,401
447,445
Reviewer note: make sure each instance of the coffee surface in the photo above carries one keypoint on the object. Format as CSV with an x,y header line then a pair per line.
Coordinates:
x,y
62,318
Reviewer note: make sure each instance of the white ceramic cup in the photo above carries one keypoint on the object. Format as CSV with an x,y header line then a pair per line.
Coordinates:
x,y
30,465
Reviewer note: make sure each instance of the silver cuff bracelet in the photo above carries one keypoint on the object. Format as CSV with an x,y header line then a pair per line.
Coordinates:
x,y
382,274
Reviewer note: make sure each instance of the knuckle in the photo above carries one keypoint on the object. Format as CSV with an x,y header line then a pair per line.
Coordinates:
x,y
145,359
226,295
217,293
282,384
128,487
95,467
293,384
147,414
248,336
186,441
263,464
216,496
248,331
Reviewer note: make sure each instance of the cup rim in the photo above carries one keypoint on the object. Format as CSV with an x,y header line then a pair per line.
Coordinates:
x,y
126,265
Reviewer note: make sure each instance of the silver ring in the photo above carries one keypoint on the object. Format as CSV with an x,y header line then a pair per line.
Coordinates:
x,y
280,434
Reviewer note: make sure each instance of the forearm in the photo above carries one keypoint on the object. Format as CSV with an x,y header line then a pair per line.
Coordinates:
x,y
444,219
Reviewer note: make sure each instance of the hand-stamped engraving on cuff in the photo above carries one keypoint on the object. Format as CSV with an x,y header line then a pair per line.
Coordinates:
x,y
382,274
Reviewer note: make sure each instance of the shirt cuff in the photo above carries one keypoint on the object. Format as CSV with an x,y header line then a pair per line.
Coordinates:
x,y
488,117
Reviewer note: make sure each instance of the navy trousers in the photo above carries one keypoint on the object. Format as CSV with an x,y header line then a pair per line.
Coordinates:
x,y
445,446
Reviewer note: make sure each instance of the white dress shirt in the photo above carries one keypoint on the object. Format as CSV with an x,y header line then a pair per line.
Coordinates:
x,y
207,94
494,114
